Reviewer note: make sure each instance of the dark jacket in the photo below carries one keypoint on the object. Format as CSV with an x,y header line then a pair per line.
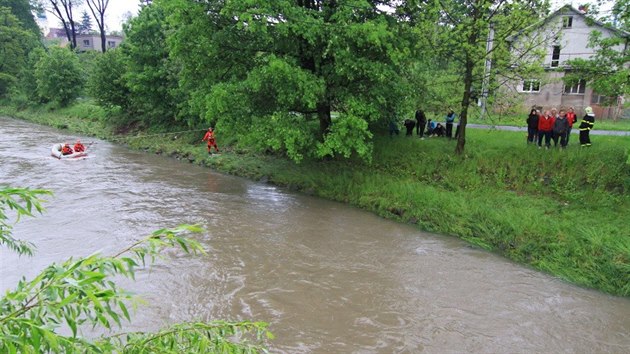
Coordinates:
x,y
421,117
587,122
561,125
532,121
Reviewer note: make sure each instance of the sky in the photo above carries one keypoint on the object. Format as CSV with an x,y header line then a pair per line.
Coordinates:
x,y
117,10
114,15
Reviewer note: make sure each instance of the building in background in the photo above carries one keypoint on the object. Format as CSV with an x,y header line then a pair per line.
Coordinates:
x,y
85,42
567,31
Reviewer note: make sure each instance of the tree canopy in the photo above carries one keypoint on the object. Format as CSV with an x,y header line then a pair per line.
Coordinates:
x,y
305,77
16,41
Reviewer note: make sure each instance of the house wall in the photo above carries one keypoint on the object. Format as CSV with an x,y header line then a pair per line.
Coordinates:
x,y
573,41
573,44
58,36
93,42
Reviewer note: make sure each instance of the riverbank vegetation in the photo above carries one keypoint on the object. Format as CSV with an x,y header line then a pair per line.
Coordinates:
x,y
300,94
561,211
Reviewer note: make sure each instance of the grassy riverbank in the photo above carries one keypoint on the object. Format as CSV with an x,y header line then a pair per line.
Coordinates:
x,y
564,212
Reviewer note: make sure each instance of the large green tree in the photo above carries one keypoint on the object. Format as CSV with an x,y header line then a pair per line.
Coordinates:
x,y
305,77
463,28
151,76
23,10
16,41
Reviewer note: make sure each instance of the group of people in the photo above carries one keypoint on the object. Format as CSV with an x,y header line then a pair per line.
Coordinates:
x,y
66,149
554,125
432,128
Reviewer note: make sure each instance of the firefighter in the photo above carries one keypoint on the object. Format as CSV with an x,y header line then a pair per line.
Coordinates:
x,y
66,149
78,147
209,137
586,126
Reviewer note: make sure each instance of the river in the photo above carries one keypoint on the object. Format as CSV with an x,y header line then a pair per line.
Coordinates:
x,y
327,277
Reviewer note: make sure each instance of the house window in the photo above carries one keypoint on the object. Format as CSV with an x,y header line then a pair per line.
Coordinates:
x,y
111,44
555,56
86,42
577,88
602,100
531,86
567,22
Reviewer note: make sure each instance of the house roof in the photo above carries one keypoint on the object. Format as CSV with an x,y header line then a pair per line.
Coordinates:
x,y
563,11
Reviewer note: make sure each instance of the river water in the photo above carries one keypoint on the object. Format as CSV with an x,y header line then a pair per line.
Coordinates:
x,y
327,277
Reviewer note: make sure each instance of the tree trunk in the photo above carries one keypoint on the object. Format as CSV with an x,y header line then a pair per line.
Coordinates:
x,y
103,40
463,117
323,112
98,9
468,78
74,33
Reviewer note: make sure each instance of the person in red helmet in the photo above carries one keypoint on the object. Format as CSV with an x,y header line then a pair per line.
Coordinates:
x,y
66,149
209,137
78,147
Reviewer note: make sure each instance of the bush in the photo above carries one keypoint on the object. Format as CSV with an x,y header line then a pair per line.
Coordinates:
x,y
59,76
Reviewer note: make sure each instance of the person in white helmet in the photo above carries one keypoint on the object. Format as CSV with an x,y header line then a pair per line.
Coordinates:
x,y
586,126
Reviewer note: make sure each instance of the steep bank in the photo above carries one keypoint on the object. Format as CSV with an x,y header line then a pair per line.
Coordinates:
x,y
565,212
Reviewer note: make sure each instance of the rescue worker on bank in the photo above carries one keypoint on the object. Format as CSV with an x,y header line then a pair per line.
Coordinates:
x,y
586,126
572,119
78,147
66,149
209,137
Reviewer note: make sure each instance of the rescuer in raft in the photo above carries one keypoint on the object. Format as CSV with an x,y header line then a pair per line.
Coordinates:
x,y
78,147
66,149
209,137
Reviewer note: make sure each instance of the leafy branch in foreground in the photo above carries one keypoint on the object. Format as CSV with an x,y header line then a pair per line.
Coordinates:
x,y
24,202
81,292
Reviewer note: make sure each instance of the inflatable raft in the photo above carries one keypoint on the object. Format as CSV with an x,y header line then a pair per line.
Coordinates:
x,y
55,151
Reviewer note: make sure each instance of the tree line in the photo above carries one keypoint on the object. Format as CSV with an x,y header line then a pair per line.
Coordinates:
x,y
305,78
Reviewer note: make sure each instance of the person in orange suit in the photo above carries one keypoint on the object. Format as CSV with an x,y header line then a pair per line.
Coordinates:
x,y
66,149
209,137
78,147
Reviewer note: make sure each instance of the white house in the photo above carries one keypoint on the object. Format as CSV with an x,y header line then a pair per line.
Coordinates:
x,y
85,42
565,36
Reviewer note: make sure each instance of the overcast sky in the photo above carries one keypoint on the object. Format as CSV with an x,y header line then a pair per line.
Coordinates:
x,y
117,9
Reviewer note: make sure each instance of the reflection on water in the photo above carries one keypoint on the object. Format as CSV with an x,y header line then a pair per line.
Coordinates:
x,y
327,277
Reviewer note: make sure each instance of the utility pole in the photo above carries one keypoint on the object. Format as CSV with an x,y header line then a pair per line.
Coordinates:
x,y
486,72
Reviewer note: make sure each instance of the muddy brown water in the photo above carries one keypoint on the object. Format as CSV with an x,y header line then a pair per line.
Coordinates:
x,y
328,278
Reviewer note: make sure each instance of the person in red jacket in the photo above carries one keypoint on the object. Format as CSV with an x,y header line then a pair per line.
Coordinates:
x,y
66,149
572,118
78,147
209,137
545,129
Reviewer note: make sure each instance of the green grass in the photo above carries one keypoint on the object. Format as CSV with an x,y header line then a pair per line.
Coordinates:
x,y
566,212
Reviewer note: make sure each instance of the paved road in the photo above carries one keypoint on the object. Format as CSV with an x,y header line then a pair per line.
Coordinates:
x,y
524,129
